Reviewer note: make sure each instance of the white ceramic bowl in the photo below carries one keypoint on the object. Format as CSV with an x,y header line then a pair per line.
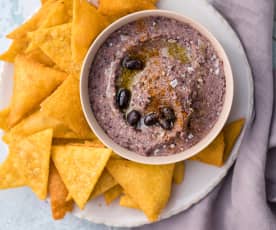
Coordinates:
x,y
130,154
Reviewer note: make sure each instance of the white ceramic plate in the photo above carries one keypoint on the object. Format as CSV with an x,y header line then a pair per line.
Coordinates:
x,y
200,179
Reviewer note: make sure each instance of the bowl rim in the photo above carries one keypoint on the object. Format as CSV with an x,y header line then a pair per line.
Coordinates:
x,y
133,156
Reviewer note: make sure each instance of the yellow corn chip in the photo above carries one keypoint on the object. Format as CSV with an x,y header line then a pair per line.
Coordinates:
x,y
112,194
57,16
148,185
213,154
39,56
80,168
32,83
18,46
4,115
34,22
178,173
128,202
64,105
231,133
10,174
122,7
58,193
105,182
95,143
87,24
55,43
28,163
43,1
35,123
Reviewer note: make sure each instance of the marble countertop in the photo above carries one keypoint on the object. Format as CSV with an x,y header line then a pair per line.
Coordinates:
x,y
20,209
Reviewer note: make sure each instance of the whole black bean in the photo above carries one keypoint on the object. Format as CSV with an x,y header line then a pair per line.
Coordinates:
x,y
165,124
167,113
132,63
123,98
133,117
151,119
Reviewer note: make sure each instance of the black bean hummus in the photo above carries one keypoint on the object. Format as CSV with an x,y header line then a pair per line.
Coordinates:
x,y
157,86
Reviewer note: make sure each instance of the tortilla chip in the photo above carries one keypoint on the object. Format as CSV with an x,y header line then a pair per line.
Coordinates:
x,y
112,194
105,182
178,173
34,22
57,16
64,105
80,168
58,193
55,43
36,122
28,163
87,24
4,116
10,174
95,143
18,46
122,7
32,83
213,154
127,201
39,56
43,1
148,185
231,133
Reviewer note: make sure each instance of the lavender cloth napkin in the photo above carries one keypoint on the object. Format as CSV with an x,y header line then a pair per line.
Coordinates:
x,y
245,198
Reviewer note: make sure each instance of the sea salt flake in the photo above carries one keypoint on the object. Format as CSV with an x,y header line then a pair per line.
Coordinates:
x,y
171,40
165,52
190,136
217,71
173,83
172,146
156,151
124,38
190,69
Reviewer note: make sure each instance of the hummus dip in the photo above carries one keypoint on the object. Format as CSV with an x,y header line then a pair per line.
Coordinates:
x,y
156,86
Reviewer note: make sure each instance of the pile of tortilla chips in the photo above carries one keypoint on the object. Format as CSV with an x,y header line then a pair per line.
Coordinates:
x,y
51,147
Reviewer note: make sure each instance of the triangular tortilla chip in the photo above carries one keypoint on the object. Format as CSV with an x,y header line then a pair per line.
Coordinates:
x,y
18,46
122,7
28,163
112,194
34,22
87,24
80,168
55,42
213,154
58,193
36,122
105,182
32,83
127,201
4,116
34,152
57,16
148,185
178,173
64,105
231,133
39,56
10,175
